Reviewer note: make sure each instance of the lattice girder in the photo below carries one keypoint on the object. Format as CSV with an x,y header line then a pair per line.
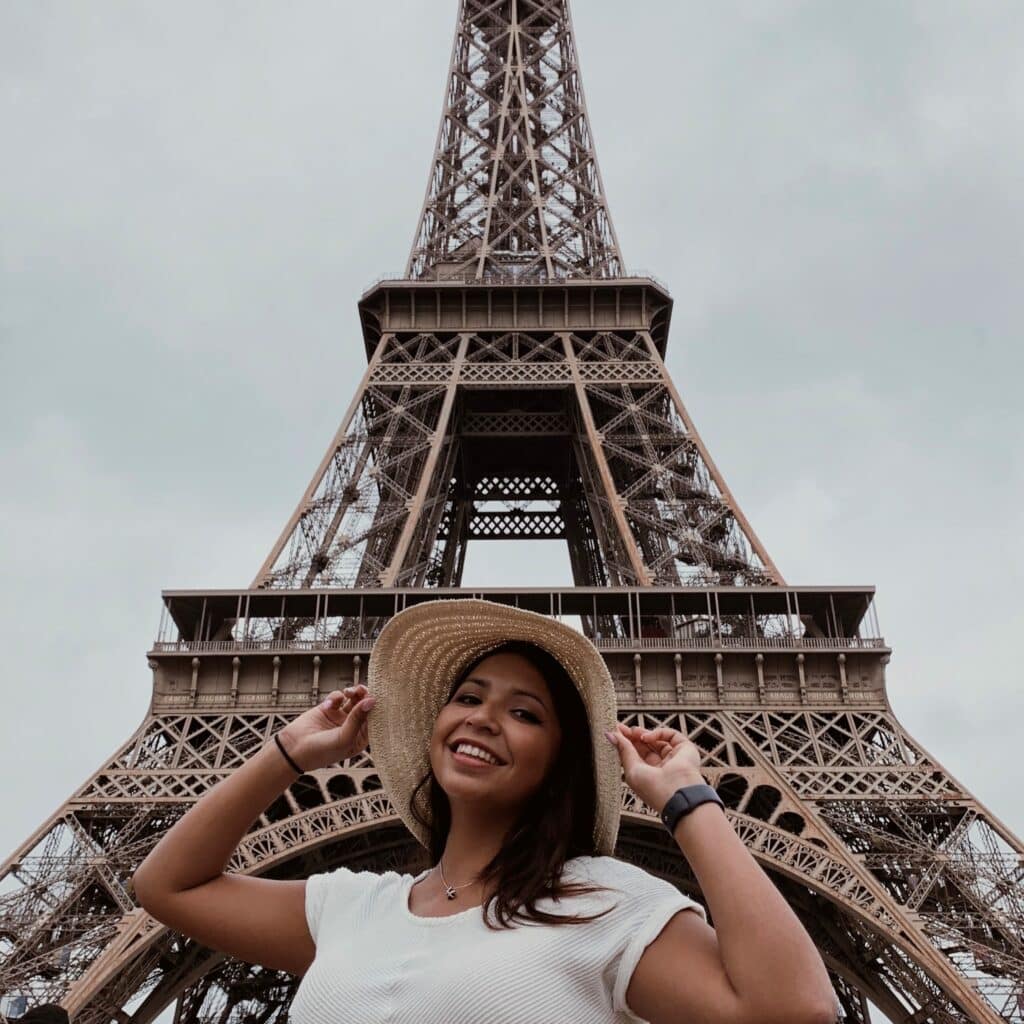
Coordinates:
x,y
945,898
852,952
516,388
363,493
653,507
515,187
686,528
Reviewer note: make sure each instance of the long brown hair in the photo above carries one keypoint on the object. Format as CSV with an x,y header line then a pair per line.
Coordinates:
x,y
556,823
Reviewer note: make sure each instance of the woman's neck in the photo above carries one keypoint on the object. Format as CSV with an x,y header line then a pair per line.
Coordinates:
x,y
473,842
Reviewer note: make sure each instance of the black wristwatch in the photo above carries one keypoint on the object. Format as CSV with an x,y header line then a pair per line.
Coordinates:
x,y
684,800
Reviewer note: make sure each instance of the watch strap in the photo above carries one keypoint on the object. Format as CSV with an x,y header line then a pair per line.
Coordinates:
x,y
685,800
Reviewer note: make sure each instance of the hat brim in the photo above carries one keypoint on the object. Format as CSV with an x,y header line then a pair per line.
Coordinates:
x,y
420,653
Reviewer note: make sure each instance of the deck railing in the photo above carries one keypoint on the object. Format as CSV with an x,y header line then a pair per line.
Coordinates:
x,y
508,278
724,643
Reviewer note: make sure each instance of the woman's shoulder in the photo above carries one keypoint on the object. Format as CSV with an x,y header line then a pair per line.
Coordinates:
x,y
348,878
341,892
610,871
644,893
343,884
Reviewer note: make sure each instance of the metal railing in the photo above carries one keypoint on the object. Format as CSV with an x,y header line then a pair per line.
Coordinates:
x,y
754,643
498,277
694,643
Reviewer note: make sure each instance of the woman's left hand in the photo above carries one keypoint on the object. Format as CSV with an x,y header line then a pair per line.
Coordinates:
x,y
656,762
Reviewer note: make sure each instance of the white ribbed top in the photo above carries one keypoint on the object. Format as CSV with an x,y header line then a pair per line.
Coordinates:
x,y
378,962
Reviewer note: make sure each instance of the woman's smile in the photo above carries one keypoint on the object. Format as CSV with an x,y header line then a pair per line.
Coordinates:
x,y
472,760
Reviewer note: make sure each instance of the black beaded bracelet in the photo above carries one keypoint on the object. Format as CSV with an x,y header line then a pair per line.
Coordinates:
x,y
280,746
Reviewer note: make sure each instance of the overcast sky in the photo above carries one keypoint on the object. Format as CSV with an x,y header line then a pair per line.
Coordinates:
x,y
194,194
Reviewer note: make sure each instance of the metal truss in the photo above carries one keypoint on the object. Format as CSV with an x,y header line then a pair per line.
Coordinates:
x,y
515,190
626,481
911,889
516,389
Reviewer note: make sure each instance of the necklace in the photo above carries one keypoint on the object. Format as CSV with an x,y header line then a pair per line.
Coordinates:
x,y
449,890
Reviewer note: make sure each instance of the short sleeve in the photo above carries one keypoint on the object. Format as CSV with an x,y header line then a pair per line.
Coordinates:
x,y
644,904
333,892
316,896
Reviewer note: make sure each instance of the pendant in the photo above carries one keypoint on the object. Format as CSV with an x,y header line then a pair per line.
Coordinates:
x,y
450,892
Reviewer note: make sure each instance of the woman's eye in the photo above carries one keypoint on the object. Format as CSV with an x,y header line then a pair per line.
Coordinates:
x,y
527,716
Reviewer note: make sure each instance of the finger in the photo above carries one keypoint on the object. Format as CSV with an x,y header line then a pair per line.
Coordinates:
x,y
663,734
628,757
352,696
638,734
650,755
356,720
338,704
660,748
332,702
633,734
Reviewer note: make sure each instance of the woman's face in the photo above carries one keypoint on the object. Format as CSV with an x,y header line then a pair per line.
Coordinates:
x,y
504,710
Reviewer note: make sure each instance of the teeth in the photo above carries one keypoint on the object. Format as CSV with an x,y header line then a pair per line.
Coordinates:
x,y
468,748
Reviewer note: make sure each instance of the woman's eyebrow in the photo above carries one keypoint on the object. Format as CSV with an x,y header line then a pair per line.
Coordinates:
x,y
520,693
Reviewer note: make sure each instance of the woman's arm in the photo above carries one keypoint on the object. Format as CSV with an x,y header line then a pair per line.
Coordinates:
x,y
182,883
757,965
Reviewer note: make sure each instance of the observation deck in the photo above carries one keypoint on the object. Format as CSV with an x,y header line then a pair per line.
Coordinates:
x,y
693,645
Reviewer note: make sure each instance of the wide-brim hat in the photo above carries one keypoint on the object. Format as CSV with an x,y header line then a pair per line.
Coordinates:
x,y
424,649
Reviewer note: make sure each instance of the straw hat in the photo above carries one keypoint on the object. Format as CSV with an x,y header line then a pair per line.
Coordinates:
x,y
420,653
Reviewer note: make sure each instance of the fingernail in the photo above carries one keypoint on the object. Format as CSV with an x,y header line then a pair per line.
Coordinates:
x,y
610,737
326,704
369,703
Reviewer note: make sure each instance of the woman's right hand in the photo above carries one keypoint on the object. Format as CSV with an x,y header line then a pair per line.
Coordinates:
x,y
331,732
183,882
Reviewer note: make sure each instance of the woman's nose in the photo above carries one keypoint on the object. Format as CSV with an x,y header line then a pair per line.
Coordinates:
x,y
481,717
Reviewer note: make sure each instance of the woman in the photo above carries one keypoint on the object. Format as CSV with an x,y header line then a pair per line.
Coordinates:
x,y
495,736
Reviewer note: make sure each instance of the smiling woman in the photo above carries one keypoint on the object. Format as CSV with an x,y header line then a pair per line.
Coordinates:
x,y
495,735
518,705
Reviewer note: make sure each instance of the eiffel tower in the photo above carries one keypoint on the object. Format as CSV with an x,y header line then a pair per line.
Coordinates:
x,y
516,389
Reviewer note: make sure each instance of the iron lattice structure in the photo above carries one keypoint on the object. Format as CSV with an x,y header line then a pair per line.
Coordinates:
x,y
516,389
515,187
